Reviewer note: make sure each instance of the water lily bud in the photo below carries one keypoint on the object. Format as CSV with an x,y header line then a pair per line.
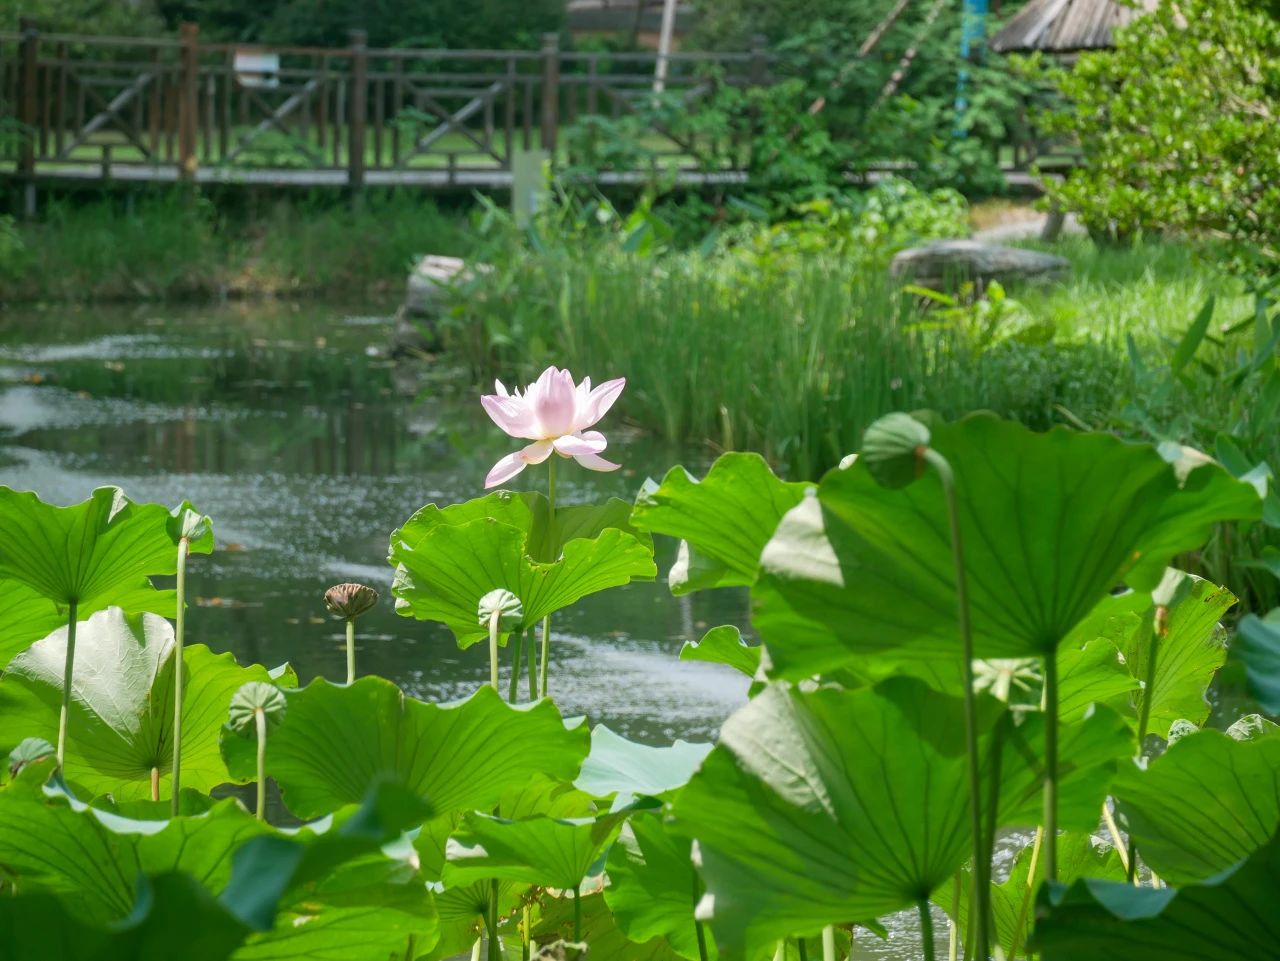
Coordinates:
x,y
252,697
893,449
508,607
350,600
29,750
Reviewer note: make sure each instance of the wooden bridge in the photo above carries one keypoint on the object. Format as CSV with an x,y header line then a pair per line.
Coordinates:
x,y
139,109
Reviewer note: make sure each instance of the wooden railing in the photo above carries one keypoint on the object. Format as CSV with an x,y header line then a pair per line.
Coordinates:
x,y
182,109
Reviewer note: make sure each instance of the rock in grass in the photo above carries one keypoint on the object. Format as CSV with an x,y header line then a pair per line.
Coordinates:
x,y
945,263
426,300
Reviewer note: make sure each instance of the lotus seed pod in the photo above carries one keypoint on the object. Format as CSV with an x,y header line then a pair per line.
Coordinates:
x,y
508,607
28,750
893,449
252,697
350,600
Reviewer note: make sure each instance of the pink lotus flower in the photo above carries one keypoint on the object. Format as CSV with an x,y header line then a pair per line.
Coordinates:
x,y
554,413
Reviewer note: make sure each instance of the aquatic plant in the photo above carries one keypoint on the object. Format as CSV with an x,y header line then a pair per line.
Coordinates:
x,y
966,630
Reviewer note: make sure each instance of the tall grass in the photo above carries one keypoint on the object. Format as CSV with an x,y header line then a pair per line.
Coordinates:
x,y
166,245
792,360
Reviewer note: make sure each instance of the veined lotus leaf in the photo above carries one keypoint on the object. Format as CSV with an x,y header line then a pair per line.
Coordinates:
x,y
724,645
555,923
1203,805
338,740
1257,646
652,886
828,806
448,559
1051,523
549,852
723,521
1230,917
1013,900
98,553
121,722
623,770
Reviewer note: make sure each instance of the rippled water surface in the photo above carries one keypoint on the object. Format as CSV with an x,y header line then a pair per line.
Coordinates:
x,y
293,428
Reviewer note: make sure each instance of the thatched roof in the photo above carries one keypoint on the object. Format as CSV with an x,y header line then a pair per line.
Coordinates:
x,y
1064,26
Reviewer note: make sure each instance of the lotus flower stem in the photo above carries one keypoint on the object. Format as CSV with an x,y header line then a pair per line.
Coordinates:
x,y
829,943
981,863
351,650
517,658
179,635
551,536
1051,766
494,618
926,929
67,673
260,721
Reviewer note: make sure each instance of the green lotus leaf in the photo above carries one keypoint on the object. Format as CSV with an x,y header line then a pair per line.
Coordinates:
x,y
723,521
448,559
185,520
121,722
1090,752
98,553
1093,674
1230,917
26,615
549,852
338,740
1052,523
724,645
652,886
621,769
1257,646
555,923
1205,804
827,806
1013,900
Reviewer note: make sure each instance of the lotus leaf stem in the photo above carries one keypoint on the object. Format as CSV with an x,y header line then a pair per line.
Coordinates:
x,y
1051,765
697,925
495,949
926,929
517,652
577,913
981,863
155,786
67,671
1158,627
1114,830
1028,892
829,943
475,949
260,721
532,647
179,636
802,949
494,619
953,936
526,935
780,953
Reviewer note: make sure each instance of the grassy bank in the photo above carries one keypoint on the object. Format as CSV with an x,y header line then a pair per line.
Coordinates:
x,y
162,247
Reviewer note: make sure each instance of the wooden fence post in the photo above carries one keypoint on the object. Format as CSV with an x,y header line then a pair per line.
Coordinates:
x,y
188,102
359,105
28,113
550,93
759,71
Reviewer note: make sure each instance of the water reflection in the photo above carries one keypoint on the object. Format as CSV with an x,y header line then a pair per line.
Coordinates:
x,y
307,445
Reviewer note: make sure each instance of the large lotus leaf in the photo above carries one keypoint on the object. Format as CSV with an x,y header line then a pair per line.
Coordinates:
x,y
1231,917
25,616
621,769
337,740
724,645
555,923
829,806
1257,646
1051,523
1093,674
723,521
96,553
1090,751
1013,900
652,885
447,559
1190,651
550,852
121,722
1203,805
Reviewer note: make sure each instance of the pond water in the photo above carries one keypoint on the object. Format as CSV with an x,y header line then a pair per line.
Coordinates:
x,y
307,445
